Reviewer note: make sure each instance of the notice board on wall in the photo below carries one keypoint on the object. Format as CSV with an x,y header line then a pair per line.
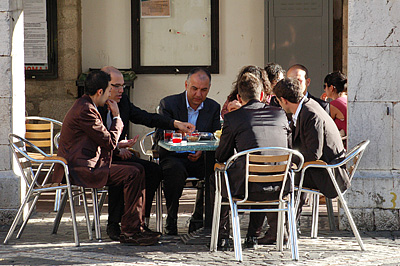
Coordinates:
x,y
173,36
40,38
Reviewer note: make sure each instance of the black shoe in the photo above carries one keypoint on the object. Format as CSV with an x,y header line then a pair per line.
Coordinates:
x,y
195,225
224,244
138,239
113,231
251,241
148,231
171,228
270,239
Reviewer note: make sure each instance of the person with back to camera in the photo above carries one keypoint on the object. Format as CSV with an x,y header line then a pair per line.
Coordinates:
x,y
335,86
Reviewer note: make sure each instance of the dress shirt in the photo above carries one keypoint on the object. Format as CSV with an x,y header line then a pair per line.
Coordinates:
x,y
193,114
296,115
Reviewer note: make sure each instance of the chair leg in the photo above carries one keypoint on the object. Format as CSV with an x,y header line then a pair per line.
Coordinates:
x,y
216,221
100,206
96,217
60,212
280,229
28,216
236,233
331,214
315,215
292,231
159,221
57,200
85,207
347,211
71,204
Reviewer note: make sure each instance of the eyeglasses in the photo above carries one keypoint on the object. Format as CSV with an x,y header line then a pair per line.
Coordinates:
x,y
119,85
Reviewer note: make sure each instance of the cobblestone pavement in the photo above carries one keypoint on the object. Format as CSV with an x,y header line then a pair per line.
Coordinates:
x,y
38,246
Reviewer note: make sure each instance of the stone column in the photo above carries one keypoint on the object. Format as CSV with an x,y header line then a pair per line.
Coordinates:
x,y
374,112
12,101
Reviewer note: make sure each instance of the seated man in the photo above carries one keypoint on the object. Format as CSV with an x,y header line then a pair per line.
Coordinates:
x,y
121,155
194,107
254,125
87,146
315,135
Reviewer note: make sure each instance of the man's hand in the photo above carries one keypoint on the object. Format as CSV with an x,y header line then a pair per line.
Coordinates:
x,y
125,154
193,157
113,107
127,143
184,126
233,105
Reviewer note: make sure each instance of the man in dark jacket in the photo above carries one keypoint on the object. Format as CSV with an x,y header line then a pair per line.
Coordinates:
x,y
193,106
153,174
315,135
254,125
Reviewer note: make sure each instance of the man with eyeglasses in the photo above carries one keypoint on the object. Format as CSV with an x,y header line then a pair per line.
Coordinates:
x,y
153,172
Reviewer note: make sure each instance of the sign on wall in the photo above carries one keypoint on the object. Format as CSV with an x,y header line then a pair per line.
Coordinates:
x,y
40,34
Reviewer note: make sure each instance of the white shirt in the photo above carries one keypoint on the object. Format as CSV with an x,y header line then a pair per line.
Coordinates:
x,y
193,114
296,115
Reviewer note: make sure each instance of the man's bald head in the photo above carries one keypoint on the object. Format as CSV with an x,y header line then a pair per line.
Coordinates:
x,y
117,82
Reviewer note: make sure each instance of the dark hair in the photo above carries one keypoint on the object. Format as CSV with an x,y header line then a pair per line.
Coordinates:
x,y
199,69
338,80
298,66
273,70
95,80
289,89
256,71
249,87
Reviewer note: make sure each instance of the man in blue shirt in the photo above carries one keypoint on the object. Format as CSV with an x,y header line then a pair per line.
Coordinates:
x,y
192,106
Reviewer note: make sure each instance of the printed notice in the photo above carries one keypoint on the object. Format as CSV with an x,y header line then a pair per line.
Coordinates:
x,y
155,8
35,32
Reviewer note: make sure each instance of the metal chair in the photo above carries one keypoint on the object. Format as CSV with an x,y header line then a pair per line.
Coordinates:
x,y
154,157
44,132
18,146
267,164
351,160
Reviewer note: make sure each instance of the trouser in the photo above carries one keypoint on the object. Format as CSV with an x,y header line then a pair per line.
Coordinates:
x,y
153,177
176,169
131,178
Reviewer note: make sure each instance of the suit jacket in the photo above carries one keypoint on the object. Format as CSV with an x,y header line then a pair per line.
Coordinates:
x,y
130,112
324,104
87,145
174,107
254,125
317,138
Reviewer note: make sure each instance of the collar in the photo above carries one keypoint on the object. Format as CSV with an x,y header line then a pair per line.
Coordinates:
x,y
189,107
296,115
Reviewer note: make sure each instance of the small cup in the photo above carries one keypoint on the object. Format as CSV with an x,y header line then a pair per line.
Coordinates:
x,y
168,135
176,138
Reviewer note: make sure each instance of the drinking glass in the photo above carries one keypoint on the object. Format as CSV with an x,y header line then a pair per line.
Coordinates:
x,y
176,137
168,135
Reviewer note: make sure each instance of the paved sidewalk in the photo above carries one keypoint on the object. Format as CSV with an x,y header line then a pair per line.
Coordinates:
x,y
38,247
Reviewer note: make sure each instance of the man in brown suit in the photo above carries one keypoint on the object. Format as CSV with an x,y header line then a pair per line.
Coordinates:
x,y
87,146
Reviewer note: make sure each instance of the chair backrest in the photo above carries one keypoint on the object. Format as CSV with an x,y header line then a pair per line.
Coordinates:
x,y
41,131
149,139
18,147
267,164
353,157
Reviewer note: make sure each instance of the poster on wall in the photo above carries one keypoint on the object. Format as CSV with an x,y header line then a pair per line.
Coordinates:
x,y
155,8
35,35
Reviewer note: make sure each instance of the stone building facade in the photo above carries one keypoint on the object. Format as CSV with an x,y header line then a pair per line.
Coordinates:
x,y
373,47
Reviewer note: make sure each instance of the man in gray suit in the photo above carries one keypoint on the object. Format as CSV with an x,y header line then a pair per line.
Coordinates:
x,y
314,134
254,125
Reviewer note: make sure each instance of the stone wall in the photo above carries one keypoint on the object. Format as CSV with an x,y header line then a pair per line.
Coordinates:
x,y
374,112
53,97
12,104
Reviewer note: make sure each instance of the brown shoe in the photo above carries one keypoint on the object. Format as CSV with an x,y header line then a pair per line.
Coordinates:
x,y
138,239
